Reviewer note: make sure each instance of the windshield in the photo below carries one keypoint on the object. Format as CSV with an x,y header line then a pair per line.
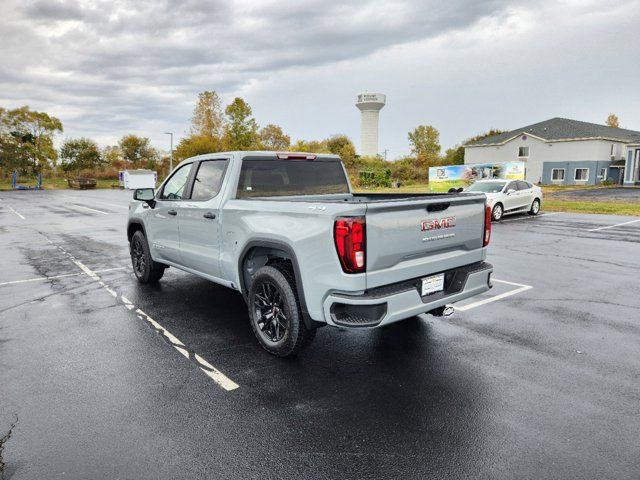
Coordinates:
x,y
488,187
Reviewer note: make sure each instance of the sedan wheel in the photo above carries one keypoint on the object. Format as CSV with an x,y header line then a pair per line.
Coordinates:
x,y
535,207
497,212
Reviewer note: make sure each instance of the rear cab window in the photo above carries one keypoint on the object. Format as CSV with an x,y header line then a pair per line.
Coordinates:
x,y
272,176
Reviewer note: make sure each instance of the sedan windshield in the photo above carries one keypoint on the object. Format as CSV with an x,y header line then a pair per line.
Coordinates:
x,y
488,187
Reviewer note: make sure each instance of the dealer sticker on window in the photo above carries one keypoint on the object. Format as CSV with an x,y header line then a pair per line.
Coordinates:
x,y
432,284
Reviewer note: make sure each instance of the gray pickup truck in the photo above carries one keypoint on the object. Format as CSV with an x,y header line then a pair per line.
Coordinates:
x,y
286,231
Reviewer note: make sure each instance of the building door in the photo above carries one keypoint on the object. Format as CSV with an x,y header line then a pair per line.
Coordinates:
x,y
635,175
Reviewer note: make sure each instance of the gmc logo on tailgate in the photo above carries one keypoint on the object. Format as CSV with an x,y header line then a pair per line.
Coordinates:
x,y
437,224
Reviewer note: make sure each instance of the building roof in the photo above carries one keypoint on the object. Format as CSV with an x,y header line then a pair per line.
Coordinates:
x,y
558,129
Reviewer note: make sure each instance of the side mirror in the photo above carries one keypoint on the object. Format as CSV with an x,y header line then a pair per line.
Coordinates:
x,y
145,195
510,191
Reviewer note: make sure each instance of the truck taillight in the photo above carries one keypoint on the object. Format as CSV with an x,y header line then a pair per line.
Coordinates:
x,y
350,236
487,226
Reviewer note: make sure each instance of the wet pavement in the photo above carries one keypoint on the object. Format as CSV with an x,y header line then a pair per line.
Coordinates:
x,y
538,378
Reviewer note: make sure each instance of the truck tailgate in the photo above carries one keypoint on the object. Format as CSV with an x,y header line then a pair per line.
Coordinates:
x,y
418,237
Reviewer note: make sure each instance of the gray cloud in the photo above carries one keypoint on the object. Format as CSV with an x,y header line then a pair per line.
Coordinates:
x,y
109,67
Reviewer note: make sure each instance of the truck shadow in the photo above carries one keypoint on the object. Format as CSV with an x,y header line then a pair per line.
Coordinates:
x,y
371,400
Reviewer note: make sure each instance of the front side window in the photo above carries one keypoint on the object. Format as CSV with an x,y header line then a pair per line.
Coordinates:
x,y
523,152
175,186
582,175
208,179
557,174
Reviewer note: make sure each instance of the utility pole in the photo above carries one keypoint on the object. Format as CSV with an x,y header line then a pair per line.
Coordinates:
x,y
171,157
385,154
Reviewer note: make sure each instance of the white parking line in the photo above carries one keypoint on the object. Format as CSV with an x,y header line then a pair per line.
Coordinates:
x,y
521,288
115,205
14,211
613,226
53,277
91,209
216,375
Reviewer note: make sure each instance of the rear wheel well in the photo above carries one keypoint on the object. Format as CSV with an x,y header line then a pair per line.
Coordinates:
x,y
258,257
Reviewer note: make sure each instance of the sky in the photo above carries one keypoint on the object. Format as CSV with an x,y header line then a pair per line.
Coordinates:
x,y
109,68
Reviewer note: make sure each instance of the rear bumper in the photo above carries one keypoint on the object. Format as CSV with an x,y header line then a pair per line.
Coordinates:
x,y
391,303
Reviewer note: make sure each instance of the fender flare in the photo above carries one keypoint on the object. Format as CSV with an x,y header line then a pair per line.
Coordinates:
x,y
311,323
135,221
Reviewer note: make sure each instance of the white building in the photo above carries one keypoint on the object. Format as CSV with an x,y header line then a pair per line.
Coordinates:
x,y
370,105
563,151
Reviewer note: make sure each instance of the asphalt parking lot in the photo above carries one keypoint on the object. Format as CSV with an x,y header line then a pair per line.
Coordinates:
x,y
538,378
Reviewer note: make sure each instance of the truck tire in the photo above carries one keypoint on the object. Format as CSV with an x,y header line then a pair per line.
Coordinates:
x,y
274,312
145,269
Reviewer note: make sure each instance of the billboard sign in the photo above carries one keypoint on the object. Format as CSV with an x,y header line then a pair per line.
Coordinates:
x,y
459,175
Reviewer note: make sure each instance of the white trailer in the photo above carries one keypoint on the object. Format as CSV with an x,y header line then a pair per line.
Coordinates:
x,y
140,178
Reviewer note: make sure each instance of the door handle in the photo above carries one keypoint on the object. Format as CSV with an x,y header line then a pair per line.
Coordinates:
x,y
172,212
210,215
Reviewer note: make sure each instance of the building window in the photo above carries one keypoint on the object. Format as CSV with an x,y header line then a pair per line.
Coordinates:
x,y
581,175
613,153
603,173
557,174
523,152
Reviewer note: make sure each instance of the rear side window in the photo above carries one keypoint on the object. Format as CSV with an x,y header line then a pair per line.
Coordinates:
x,y
276,177
523,185
512,186
208,179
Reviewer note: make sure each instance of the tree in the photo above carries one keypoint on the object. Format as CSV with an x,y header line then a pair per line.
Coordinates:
x,y
197,145
490,133
207,120
273,138
80,154
342,146
112,155
26,138
454,156
612,121
137,151
241,129
311,146
425,144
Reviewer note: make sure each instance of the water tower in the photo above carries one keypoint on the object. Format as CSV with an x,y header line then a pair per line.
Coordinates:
x,y
370,105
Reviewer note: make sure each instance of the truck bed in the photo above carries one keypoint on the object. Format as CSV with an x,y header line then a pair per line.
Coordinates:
x,y
369,197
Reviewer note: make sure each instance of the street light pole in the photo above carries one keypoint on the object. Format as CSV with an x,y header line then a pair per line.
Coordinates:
x,y
171,157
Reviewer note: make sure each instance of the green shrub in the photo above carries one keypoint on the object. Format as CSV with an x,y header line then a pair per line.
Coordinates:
x,y
374,178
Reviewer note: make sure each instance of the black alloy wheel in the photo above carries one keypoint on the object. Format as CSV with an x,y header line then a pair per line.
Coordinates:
x,y
270,312
144,267
138,258
275,313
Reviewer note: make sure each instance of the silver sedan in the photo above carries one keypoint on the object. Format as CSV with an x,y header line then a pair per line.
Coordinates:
x,y
509,196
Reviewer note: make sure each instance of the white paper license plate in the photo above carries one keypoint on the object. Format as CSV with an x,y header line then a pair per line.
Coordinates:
x,y
432,284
